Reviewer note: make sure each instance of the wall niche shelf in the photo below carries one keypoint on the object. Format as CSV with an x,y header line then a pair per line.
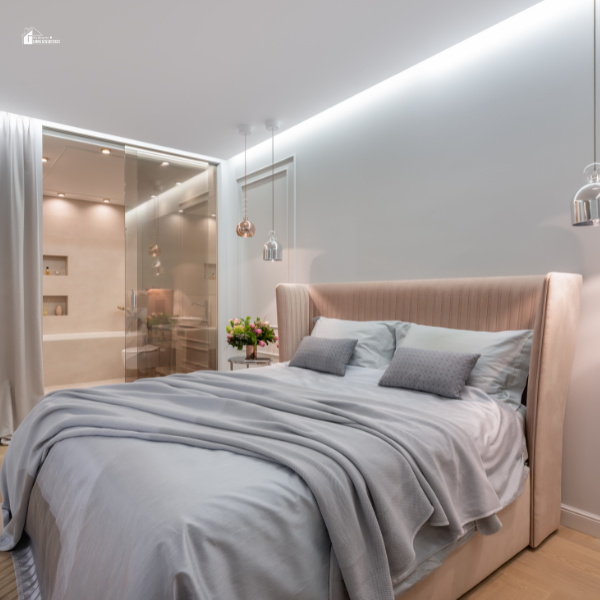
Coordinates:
x,y
210,271
58,265
52,302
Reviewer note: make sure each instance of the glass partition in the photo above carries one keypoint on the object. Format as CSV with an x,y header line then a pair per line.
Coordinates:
x,y
170,264
84,262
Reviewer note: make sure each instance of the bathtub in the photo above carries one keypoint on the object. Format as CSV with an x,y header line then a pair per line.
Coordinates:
x,y
74,358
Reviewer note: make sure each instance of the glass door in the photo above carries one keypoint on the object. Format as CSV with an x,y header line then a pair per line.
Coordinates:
x,y
170,264
84,263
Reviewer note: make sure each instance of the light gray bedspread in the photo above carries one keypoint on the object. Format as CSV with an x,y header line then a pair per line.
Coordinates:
x,y
277,483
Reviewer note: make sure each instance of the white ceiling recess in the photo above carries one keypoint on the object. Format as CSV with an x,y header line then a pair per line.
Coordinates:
x,y
185,74
80,171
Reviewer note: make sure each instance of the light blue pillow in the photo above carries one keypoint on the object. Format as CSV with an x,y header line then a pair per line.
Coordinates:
x,y
376,339
502,369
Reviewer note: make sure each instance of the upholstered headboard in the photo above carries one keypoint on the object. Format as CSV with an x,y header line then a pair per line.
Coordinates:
x,y
548,304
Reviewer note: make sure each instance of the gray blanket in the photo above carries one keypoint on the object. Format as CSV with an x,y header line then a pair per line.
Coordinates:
x,y
379,468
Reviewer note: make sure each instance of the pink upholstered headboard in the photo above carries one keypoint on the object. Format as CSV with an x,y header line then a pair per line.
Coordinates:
x,y
548,304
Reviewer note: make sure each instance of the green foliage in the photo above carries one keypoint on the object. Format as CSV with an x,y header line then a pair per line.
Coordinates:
x,y
155,319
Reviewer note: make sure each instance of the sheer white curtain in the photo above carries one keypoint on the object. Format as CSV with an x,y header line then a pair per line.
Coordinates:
x,y
21,372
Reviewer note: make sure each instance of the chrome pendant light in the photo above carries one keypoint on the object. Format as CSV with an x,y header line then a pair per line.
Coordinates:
x,y
245,228
272,250
585,209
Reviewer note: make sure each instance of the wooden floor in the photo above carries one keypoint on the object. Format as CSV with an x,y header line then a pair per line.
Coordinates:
x,y
565,567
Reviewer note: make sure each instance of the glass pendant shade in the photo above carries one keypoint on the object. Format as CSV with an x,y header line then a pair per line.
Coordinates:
x,y
272,250
245,229
585,207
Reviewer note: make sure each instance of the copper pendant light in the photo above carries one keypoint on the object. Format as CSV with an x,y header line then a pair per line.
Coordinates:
x,y
585,208
154,249
245,228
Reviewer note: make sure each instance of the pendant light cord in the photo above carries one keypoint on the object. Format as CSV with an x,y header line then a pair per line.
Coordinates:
x,y
273,175
155,220
595,118
246,175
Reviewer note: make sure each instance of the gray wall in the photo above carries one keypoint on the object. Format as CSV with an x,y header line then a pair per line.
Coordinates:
x,y
462,166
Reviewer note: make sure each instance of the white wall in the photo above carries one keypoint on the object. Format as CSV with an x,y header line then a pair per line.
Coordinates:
x,y
462,166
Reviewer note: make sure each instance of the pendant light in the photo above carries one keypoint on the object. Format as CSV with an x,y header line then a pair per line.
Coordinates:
x,y
585,207
272,250
154,249
245,228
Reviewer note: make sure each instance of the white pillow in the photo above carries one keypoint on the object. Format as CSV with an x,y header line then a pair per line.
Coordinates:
x,y
503,367
376,339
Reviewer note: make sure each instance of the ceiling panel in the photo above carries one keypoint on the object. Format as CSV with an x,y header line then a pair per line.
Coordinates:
x,y
82,171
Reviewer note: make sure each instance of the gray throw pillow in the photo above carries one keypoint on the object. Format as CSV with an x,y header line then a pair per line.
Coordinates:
x,y
324,355
433,371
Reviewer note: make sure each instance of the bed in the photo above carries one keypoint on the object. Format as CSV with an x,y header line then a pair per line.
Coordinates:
x,y
550,306
282,483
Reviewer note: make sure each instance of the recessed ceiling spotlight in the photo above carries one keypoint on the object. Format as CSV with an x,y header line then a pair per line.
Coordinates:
x,y
178,183
44,159
105,151
106,201
61,194
213,215
152,196
181,210
164,163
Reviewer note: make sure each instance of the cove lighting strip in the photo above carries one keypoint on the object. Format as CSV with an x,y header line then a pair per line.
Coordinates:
x,y
538,19
172,158
136,144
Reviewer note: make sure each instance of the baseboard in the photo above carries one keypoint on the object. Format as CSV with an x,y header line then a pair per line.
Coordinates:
x,y
580,520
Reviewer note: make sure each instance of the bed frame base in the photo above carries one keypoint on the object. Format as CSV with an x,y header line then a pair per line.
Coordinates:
x,y
479,557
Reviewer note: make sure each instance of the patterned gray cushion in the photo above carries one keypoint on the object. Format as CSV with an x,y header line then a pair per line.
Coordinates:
x,y
324,354
440,373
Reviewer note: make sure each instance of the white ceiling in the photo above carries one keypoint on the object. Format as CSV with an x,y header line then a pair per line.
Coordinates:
x,y
184,74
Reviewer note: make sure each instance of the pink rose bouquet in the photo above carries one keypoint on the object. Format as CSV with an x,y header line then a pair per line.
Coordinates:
x,y
244,332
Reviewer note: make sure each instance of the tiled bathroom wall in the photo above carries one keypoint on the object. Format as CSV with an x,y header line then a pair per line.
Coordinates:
x,y
85,344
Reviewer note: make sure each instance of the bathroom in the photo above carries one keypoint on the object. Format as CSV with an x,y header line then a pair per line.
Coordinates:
x,y
130,262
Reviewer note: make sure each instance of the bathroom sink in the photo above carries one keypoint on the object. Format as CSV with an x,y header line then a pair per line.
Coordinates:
x,y
188,321
142,358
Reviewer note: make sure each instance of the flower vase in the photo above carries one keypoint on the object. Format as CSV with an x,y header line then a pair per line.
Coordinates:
x,y
251,352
